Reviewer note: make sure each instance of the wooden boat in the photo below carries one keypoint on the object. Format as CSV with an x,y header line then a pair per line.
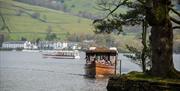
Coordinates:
x,y
100,62
63,54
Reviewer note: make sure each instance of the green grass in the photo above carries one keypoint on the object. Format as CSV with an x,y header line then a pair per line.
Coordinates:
x,y
89,6
60,22
34,36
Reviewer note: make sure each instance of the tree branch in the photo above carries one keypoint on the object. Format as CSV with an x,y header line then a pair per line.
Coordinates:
x,y
116,8
174,11
103,8
175,20
4,22
176,27
141,1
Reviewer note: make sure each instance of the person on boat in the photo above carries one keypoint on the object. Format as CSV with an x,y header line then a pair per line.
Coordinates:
x,y
95,59
107,61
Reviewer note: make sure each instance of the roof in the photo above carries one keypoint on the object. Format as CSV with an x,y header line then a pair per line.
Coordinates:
x,y
102,50
14,42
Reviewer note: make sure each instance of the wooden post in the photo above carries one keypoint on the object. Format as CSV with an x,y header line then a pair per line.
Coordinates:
x,y
115,64
120,67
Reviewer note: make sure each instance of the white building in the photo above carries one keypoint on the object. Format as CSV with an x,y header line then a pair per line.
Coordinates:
x,y
34,46
60,45
74,45
17,44
52,45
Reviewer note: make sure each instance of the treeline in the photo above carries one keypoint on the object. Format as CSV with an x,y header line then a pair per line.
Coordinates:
x,y
60,5
106,40
95,39
100,40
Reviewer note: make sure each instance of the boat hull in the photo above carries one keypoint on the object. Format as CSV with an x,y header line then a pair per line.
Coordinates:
x,y
62,55
99,70
58,56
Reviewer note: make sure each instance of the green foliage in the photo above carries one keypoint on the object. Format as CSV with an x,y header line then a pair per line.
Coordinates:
x,y
136,56
23,39
136,52
107,26
51,37
134,16
107,40
115,20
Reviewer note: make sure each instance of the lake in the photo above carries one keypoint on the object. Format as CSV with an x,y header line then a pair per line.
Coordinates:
x,y
27,71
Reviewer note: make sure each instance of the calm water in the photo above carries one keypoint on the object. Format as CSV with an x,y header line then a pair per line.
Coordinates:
x,y
23,71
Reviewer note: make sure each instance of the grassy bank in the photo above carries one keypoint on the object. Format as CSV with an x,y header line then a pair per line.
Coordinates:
x,y
136,81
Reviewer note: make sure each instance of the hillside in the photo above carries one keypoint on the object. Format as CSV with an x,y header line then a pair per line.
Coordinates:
x,y
83,8
34,22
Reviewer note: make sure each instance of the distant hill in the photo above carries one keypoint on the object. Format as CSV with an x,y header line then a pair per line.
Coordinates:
x,y
34,22
83,8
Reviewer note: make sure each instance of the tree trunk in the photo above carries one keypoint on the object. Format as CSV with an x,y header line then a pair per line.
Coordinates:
x,y
161,43
161,39
144,50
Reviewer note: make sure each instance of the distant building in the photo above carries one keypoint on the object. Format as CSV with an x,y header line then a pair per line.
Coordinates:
x,y
74,45
88,41
52,45
34,46
17,44
60,45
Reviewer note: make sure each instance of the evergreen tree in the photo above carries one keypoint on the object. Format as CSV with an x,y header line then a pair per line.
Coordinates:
x,y
157,16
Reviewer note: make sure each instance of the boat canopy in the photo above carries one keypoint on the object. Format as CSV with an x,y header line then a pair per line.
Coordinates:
x,y
97,50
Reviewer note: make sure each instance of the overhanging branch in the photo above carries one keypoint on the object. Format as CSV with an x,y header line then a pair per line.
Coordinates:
x,y
116,8
174,11
101,8
4,22
141,1
176,27
175,20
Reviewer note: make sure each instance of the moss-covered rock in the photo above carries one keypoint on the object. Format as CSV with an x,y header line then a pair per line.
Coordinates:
x,y
139,82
